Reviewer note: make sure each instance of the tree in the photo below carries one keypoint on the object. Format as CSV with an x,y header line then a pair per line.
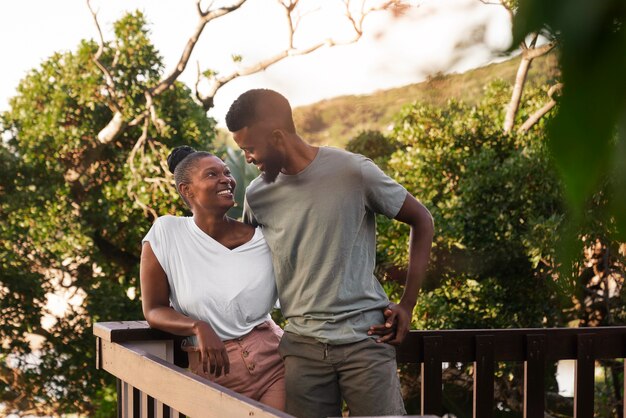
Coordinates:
x,y
71,225
497,202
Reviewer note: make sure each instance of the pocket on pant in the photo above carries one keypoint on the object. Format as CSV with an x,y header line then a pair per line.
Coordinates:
x,y
384,350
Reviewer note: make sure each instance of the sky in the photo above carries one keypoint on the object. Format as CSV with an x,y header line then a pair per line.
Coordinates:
x,y
433,36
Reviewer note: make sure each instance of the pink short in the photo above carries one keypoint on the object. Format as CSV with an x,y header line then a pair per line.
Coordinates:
x,y
256,368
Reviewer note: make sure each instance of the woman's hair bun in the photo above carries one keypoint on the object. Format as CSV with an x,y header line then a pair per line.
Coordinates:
x,y
177,155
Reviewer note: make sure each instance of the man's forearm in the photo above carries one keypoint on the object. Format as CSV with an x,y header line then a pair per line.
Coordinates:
x,y
419,253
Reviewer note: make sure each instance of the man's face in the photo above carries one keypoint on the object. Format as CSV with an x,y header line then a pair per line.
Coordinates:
x,y
256,143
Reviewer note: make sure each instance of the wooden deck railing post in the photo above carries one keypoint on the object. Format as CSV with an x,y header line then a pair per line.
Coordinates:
x,y
534,376
431,376
585,377
484,368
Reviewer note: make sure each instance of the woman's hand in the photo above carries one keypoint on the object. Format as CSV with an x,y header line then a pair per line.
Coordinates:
x,y
213,355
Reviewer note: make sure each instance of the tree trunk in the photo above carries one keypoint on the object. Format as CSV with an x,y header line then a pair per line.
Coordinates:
x,y
518,88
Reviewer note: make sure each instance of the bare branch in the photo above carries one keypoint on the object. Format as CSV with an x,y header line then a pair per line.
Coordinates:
x,y
158,123
113,129
198,79
131,163
289,6
207,99
516,95
534,118
205,17
529,53
140,118
539,51
110,84
533,41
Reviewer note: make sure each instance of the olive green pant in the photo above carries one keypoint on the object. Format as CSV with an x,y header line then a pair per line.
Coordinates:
x,y
318,376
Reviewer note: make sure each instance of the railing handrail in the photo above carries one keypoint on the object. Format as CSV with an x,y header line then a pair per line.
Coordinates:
x,y
511,345
122,331
509,342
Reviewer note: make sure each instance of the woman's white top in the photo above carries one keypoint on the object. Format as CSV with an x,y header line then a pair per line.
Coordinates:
x,y
232,290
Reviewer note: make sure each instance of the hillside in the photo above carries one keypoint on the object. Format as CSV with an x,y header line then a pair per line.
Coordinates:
x,y
335,121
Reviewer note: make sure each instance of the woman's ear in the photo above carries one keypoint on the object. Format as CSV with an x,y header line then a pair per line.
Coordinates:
x,y
185,190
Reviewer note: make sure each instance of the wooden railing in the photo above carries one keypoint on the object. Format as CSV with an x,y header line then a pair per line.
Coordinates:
x,y
152,380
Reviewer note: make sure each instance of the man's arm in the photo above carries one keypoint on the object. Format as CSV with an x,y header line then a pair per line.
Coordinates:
x,y
420,220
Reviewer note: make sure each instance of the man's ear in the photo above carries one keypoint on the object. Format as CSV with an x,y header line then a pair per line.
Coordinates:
x,y
278,136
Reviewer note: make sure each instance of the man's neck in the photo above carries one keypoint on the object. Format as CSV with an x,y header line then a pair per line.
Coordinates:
x,y
299,156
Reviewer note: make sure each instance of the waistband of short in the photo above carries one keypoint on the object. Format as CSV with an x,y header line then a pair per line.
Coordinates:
x,y
265,325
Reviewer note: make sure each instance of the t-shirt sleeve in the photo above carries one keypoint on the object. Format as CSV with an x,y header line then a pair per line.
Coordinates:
x,y
382,194
248,216
157,238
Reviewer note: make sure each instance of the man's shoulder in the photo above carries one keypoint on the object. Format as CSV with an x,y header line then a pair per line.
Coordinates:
x,y
255,185
332,152
342,160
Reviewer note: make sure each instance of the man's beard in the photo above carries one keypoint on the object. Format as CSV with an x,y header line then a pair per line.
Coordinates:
x,y
271,169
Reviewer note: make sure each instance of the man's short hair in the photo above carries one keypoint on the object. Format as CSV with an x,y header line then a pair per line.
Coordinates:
x,y
259,105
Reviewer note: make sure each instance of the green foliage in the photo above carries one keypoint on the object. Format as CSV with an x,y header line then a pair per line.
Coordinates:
x,y
588,135
463,303
243,174
374,145
495,200
75,211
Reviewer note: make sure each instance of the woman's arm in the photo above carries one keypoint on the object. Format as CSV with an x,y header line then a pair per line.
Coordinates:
x,y
160,315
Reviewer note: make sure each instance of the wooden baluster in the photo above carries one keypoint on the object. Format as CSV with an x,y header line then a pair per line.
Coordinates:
x,y
120,397
431,376
484,377
585,377
127,400
136,403
534,376
159,409
147,405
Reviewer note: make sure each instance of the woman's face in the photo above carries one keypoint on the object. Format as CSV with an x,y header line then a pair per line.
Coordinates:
x,y
212,186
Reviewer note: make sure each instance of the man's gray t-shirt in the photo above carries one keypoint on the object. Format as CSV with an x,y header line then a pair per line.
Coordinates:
x,y
320,226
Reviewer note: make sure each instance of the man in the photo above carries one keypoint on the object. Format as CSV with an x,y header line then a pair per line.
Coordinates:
x,y
317,207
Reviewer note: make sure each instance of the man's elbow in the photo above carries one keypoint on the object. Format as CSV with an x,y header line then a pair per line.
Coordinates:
x,y
424,222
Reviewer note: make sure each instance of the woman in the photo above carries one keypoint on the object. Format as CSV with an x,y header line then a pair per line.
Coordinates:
x,y
210,277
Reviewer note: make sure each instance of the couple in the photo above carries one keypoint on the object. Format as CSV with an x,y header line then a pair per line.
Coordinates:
x,y
308,239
